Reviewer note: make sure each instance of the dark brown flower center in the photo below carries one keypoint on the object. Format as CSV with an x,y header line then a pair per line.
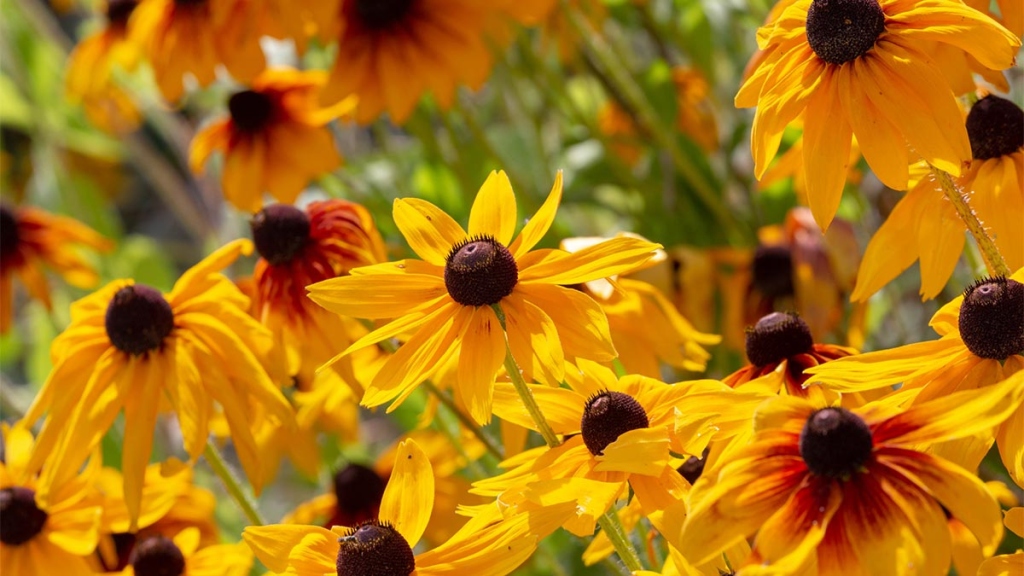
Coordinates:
x,y
995,127
693,467
773,271
382,14
20,519
835,443
250,111
138,319
118,11
480,272
9,236
280,232
842,30
358,490
607,416
776,337
157,556
992,318
374,549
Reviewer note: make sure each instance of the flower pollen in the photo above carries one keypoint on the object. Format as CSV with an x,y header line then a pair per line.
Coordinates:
x,y
773,271
609,415
480,271
778,336
138,319
20,519
992,318
995,127
251,111
382,14
280,232
374,549
835,443
843,30
358,491
157,556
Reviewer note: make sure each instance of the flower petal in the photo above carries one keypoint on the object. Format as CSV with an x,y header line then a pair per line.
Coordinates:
x,y
582,325
562,408
430,231
538,226
368,294
494,210
642,451
826,148
275,545
609,258
409,497
480,358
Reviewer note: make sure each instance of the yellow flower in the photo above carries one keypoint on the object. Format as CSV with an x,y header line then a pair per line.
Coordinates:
x,y
33,239
129,346
484,547
849,491
982,342
183,556
1007,564
862,67
445,302
51,538
275,139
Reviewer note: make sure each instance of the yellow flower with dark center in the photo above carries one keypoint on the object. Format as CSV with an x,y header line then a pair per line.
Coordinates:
x,y
31,240
444,302
981,343
52,538
487,546
925,226
861,67
181,555
849,492
274,140
129,346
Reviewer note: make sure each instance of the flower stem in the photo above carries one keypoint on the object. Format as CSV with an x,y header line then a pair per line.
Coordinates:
x,y
233,486
989,250
465,420
612,528
516,375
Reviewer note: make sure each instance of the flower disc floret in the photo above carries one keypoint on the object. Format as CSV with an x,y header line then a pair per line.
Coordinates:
x,y
778,336
20,519
843,30
280,232
480,271
382,14
157,556
772,270
992,318
609,415
995,127
835,443
358,491
374,549
250,110
138,319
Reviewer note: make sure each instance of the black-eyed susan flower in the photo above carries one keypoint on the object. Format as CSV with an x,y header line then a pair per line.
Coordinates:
x,y
32,241
868,60
297,20
182,555
445,301
274,139
849,491
194,38
130,347
1007,564
491,546
981,343
52,538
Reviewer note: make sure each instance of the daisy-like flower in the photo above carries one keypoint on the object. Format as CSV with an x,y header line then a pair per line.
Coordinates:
x,y
31,241
850,491
862,67
384,546
446,302
195,37
1007,564
129,346
181,555
274,140
925,226
981,343
52,538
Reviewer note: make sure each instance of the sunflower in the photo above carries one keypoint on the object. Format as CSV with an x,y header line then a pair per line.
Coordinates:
x,y
981,342
129,346
447,301
862,67
195,37
484,547
275,138
392,52
1007,564
182,555
849,490
52,538
33,239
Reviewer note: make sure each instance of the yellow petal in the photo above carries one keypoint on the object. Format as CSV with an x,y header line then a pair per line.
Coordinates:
x,y
880,141
409,496
494,210
431,232
641,451
609,258
371,295
562,408
480,358
140,412
892,249
583,328
274,544
538,226
826,149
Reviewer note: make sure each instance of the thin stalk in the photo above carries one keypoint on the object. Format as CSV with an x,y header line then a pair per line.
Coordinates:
x,y
612,528
233,486
989,250
514,373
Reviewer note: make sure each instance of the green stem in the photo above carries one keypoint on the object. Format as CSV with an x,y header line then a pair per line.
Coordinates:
x,y
956,196
612,528
516,375
233,486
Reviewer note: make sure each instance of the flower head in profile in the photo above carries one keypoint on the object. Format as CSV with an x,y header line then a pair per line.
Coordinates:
x,y
981,343
274,139
862,67
131,348
850,491
447,303
33,241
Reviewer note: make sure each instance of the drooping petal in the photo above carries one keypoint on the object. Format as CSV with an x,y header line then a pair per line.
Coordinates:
x,y
642,451
826,147
891,249
953,23
881,142
274,545
582,325
494,210
481,356
430,231
409,497
140,412
534,340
